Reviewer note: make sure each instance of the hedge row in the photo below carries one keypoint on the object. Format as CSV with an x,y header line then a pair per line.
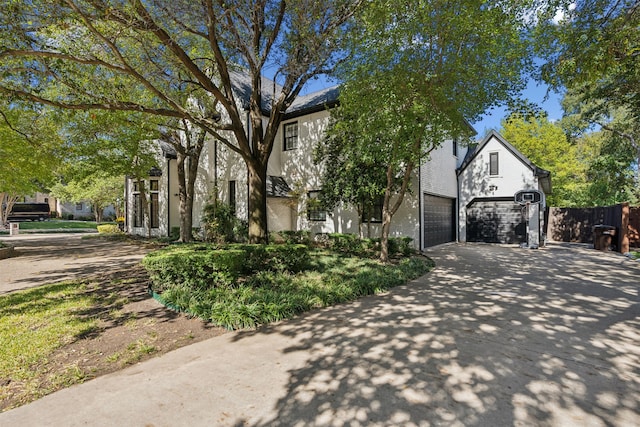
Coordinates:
x,y
206,266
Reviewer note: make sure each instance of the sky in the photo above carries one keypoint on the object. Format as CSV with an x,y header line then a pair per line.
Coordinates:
x,y
536,93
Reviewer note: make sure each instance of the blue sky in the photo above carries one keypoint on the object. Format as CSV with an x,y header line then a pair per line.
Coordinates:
x,y
535,92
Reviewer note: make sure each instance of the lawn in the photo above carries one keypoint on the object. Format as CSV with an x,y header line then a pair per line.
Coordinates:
x,y
33,324
57,224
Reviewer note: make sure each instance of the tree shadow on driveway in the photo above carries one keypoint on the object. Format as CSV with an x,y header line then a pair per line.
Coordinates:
x,y
493,336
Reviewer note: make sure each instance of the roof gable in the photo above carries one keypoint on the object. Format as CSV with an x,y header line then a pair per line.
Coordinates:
x,y
543,175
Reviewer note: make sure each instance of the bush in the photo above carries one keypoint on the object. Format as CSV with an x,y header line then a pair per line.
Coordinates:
x,y
222,225
292,237
348,244
198,267
109,229
206,267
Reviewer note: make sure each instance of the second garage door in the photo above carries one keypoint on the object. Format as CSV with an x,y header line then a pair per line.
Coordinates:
x,y
495,221
439,220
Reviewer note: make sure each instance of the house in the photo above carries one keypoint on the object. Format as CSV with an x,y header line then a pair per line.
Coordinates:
x,y
69,210
489,177
430,214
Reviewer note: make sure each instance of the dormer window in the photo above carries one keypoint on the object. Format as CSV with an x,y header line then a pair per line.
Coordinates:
x,y
290,136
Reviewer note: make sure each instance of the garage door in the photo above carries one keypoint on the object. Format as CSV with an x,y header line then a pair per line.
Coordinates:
x,y
495,221
439,220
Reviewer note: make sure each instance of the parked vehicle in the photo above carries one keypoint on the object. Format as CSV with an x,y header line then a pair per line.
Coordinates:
x,y
29,211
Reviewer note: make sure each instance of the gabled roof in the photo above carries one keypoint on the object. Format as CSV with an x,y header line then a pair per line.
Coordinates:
x,y
544,176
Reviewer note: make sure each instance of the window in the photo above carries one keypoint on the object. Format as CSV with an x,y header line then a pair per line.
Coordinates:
x,y
493,164
154,214
290,136
373,212
232,196
78,206
455,147
154,205
314,210
138,217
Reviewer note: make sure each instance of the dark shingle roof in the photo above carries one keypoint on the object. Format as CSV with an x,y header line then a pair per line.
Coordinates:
x,y
303,104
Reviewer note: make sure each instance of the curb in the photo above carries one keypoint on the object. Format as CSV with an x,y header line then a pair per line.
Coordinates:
x,y
8,252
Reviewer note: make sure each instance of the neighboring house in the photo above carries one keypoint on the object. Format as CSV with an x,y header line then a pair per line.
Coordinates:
x,y
429,213
80,210
488,179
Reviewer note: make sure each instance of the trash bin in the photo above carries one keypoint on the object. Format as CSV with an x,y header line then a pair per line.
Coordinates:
x,y
603,237
14,228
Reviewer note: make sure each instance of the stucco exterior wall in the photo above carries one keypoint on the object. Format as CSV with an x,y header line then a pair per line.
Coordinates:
x,y
475,181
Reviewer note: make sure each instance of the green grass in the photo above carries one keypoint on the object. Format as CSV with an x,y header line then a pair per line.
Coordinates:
x,y
33,324
269,296
55,224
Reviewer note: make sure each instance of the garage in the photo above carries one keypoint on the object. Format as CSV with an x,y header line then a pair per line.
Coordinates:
x,y
495,221
439,220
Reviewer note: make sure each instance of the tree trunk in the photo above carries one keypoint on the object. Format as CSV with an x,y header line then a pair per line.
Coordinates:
x,y
258,232
384,237
185,207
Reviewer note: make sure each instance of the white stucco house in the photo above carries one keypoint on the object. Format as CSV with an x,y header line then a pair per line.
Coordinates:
x,y
434,212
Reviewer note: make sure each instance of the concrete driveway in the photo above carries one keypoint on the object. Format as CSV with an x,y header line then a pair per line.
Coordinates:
x,y
49,258
495,336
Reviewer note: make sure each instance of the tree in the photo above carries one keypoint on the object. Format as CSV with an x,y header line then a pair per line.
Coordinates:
x,y
349,176
421,68
30,151
547,146
167,57
100,189
594,47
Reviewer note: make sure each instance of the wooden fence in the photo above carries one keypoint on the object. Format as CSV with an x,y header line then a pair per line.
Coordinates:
x,y
576,224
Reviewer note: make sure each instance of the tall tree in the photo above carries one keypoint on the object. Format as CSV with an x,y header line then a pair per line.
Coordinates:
x,y
547,146
421,68
30,151
100,189
594,47
168,57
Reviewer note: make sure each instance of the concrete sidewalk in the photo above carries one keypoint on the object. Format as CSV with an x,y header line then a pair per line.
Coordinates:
x,y
495,336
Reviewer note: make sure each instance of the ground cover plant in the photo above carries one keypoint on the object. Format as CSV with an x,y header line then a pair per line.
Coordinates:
x,y
243,286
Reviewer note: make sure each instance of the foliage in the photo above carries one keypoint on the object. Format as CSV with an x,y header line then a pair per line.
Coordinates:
x,y
547,146
109,229
206,267
30,150
270,296
221,224
352,245
594,48
610,138
292,237
177,60
100,189
420,70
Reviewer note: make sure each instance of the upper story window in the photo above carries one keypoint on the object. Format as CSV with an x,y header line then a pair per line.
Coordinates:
x,y
493,164
455,147
290,136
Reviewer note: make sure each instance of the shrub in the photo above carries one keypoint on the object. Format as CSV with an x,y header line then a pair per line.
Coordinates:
x,y
206,267
199,267
292,237
109,229
222,225
348,244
